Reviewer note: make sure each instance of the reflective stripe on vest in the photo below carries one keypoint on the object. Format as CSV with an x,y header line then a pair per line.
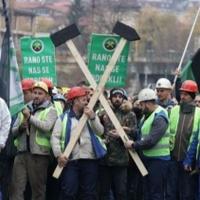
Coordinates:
x,y
174,120
43,138
162,146
64,133
58,107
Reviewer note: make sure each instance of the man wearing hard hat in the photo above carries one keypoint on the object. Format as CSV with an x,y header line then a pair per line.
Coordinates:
x,y
183,128
164,90
154,143
80,173
33,133
27,87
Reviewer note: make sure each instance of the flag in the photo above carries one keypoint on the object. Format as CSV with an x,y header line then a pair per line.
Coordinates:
x,y
10,83
16,97
192,69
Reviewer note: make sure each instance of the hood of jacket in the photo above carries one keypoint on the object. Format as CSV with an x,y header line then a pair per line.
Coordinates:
x,y
125,107
42,106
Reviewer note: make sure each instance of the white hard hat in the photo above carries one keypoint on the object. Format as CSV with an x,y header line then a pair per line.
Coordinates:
x,y
55,90
147,94
163,83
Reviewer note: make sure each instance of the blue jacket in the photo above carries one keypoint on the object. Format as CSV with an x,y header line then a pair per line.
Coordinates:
x,y
192,152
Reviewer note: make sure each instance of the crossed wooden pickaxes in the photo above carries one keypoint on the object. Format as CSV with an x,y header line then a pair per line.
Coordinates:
x,y
66,35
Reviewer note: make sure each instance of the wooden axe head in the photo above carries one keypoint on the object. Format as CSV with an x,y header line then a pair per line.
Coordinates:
x,y
126,31
64,34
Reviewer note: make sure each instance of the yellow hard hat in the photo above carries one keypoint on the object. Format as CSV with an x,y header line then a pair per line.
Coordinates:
x,y
41,85
65,90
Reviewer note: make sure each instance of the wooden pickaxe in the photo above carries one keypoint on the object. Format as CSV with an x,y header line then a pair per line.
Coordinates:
x,y
129,34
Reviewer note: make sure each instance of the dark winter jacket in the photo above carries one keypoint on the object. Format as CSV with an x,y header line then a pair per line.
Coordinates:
x,y
117,155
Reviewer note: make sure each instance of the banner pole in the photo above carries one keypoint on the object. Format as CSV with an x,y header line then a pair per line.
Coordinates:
x,y
186,46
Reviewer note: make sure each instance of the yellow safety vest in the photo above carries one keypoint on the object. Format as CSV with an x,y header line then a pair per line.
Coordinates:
x,y
63,135
58,107
42,139
173,124
162,146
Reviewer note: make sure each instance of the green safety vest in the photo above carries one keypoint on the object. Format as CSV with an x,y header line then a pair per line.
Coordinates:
x,y
63,134
58,107
173,124
42,139
162,146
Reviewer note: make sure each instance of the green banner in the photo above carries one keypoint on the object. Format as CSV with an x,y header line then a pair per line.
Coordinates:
x,y
38,58
100,50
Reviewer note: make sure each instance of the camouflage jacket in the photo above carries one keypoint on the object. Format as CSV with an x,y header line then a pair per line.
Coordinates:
x,y
117,155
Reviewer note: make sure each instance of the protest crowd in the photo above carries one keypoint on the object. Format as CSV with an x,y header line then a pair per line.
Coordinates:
x,y
162,127
88,142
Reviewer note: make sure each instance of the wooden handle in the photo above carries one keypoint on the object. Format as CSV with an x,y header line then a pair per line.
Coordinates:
x,y
105,104
77,131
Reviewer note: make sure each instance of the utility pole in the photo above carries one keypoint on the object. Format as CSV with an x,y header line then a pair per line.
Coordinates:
x,y
11,13
93,7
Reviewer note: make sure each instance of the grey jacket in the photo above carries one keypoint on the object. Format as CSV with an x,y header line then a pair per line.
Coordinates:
x,y
27,137
83,149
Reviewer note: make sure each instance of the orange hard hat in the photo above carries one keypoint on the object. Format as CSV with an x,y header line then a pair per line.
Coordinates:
x,y
189,86
75,92
48,82
27,84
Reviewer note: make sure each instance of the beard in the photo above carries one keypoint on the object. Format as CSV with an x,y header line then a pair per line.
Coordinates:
x,y
117,104
36,101
137,111
145,111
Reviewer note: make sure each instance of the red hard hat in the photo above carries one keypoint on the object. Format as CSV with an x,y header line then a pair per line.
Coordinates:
x,y
27,84
48,82
75,92
189,86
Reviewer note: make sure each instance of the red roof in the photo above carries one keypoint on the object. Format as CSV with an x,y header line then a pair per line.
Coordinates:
x,y
61,6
